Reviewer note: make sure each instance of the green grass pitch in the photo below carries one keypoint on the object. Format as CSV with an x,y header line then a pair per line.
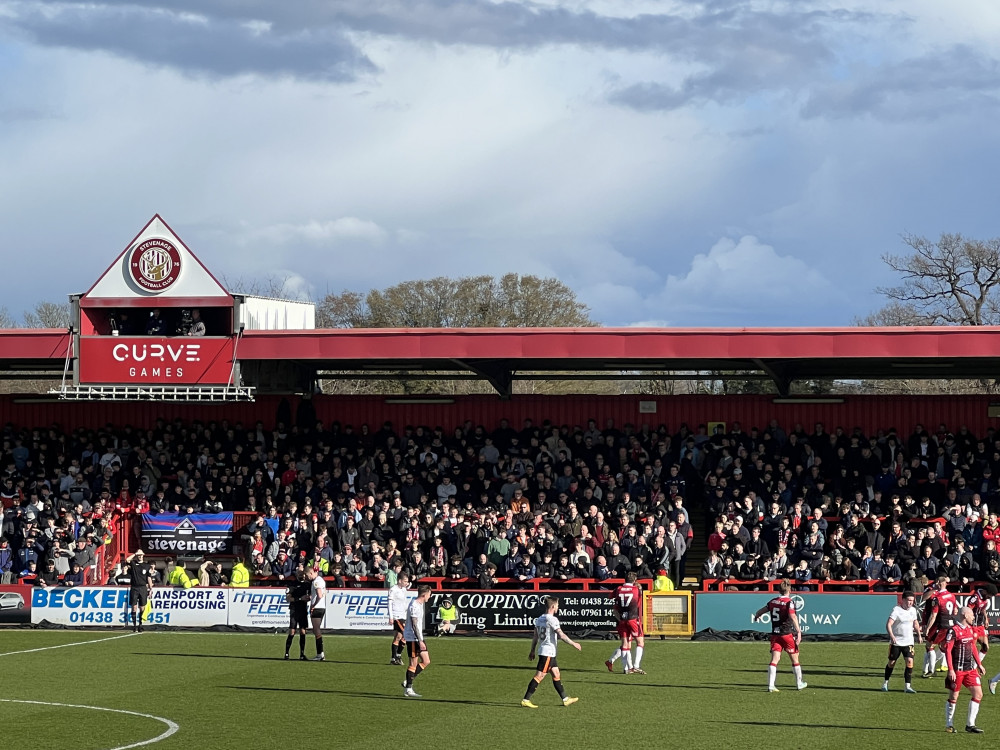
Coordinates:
x,y
230,690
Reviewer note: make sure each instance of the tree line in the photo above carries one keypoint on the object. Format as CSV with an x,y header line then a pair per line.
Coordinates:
x,y
951,281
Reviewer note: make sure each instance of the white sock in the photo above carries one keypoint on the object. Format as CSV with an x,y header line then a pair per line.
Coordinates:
x,y
772,672
627,658
638,656
885,684
797,669
616,655
949,712
932,655
973,712
927,661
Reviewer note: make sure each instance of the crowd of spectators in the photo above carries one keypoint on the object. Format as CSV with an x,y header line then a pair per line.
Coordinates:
x,y
536,501
845,507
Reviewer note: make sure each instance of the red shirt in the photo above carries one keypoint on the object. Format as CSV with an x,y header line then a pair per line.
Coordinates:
x,y
781,610
960,647
946,607
979,608
627,597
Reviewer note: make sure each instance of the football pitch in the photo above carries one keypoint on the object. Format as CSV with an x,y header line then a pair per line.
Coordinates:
x,y
104,690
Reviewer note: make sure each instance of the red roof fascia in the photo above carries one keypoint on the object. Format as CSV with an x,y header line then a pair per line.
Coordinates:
x,y
623,343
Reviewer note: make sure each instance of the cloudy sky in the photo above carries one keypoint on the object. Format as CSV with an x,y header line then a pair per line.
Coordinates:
x,y
717,163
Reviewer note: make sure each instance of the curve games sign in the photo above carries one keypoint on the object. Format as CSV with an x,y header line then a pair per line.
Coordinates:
x,y
155,265
148,360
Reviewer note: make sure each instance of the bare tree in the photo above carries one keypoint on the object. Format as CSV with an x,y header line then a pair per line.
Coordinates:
x,y
267,286
953,281
6,319
48,315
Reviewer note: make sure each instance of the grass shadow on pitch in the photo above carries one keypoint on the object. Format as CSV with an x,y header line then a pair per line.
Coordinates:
x,y
674,685
251,658
526,667
377,696
822,726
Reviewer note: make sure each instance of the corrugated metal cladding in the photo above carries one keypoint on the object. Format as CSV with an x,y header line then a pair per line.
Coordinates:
x,y
868,412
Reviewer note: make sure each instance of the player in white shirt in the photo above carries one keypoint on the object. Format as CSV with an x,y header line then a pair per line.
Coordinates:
x,y
399,598
317,608
548,633
903,624
413,634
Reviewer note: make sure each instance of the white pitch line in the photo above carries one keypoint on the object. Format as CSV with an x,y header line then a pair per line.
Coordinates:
x,y
171,726
67,645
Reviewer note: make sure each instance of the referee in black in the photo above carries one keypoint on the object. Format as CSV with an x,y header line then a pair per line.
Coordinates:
x,y
298,611
139,587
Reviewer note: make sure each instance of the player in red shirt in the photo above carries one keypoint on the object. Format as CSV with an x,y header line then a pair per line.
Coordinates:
x,y
940,613
627,598
964,669
784,623
979,603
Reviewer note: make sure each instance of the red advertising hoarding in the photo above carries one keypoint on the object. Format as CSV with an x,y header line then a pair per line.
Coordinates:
x,y
151,360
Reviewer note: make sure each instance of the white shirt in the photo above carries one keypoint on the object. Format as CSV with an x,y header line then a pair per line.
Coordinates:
x,y
545,628
902,625
415,611
318,598
398,601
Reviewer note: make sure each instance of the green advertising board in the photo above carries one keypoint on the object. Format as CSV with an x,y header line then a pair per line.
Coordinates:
x,y
819,614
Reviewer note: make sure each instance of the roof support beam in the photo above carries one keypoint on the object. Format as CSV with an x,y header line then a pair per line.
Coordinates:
x,y
495,373
780,375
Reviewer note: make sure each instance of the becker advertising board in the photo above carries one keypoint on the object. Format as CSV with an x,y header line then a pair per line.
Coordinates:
x,y
149,360
107,605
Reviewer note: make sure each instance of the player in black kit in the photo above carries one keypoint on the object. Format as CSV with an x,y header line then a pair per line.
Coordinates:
x,y
140,585
298,611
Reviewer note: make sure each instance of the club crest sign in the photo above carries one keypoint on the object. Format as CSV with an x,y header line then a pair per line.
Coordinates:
x,y
155,265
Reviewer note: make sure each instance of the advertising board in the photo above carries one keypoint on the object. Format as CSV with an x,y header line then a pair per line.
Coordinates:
x,y
819,614
510,611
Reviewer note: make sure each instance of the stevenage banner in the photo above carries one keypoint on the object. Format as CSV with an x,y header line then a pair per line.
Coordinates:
x,y
198,533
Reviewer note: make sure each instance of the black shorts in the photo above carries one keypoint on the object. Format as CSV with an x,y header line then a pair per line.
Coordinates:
x,y
415,648
138,596
317,613
398,626
896,651
546,664
298,615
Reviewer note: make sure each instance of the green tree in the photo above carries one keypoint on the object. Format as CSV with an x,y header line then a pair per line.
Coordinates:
x,y
508,301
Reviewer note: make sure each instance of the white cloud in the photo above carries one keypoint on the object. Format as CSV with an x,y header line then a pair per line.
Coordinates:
x,y
482,157
329,232
736,275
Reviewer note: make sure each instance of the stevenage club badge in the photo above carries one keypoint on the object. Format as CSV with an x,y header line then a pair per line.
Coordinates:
x,y
155,265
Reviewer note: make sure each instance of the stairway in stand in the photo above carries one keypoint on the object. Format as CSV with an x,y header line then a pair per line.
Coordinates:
x,y
696,555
